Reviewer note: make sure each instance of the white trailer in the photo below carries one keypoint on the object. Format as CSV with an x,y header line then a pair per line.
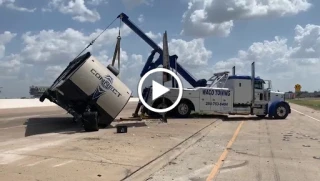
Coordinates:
x,y
227,94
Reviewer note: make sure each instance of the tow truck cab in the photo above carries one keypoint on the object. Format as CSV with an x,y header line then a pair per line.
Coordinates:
x,y
244,96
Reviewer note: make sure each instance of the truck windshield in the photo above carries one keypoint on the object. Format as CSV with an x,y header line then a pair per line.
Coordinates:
x,y
258,85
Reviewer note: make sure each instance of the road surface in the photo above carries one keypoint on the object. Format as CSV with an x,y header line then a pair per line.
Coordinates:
x,y
44,144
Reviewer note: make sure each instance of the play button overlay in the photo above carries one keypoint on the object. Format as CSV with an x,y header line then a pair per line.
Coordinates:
x,y
159,90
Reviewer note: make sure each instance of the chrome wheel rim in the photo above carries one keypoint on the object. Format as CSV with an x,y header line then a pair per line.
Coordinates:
x,y
183,109
281,111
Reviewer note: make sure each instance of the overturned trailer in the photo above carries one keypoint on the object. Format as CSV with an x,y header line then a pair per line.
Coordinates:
x,y
89,91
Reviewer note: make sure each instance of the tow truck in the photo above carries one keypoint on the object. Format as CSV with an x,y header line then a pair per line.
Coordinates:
x,y
226,94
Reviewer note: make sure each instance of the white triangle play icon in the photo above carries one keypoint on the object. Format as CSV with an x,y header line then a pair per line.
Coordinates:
x,y
158,90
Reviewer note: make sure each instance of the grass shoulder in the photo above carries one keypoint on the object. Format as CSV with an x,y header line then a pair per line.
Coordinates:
x,y
313,103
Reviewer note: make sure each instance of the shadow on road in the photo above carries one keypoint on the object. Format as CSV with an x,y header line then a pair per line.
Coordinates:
x,y
64,125
43,125
222,117
242,118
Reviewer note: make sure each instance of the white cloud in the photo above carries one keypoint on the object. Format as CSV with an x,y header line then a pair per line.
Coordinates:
x,y
216,17
56,47
11,5
151,35
141,18
8,64
5,38
285,65
96,2
191,54
76,8
307,46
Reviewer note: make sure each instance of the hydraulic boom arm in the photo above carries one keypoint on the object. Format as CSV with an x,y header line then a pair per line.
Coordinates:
x,y
151,65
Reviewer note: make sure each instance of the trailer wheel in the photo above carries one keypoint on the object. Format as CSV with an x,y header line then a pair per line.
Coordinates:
x,y
90,121
281,111
74,119
183,109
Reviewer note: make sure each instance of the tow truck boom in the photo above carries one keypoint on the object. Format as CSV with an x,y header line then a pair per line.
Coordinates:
x,y
151,65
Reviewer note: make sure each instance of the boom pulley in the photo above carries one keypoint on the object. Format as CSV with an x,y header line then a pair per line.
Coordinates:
x,y
117,50
117,47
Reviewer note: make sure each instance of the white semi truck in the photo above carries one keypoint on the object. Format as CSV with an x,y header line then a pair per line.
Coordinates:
x,y
226,94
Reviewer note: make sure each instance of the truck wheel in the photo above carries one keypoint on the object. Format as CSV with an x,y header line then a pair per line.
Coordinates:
x,y
183,110
281,111
159,105
90,121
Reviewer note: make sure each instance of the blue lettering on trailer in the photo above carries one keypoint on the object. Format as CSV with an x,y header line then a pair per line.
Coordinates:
x,y
216,92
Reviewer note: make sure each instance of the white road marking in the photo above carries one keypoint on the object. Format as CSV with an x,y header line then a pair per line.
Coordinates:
x,y
306,115
28,116
36,163
64,163
16,154
8,158
19,117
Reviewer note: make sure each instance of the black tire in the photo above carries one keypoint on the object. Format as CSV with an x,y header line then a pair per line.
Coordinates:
x,y
158,104
281,111
183,110
74,119
90,121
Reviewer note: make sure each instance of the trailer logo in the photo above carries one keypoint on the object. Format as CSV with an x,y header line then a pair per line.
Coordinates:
x,y
105,85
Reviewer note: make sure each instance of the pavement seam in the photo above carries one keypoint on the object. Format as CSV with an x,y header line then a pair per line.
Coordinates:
x,y
182,149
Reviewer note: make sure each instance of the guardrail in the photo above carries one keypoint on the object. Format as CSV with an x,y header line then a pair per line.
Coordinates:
x,y
24,103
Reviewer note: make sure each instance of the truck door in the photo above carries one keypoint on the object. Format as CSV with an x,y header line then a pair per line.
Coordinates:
x,y
216,100
221,100
205,99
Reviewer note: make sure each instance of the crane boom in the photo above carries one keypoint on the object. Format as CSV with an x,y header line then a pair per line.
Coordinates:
x,y
140,33
151,65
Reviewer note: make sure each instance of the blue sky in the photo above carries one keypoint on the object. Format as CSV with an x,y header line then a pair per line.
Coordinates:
x,y
206,46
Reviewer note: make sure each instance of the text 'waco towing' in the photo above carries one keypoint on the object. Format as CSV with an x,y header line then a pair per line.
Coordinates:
x,y
227,94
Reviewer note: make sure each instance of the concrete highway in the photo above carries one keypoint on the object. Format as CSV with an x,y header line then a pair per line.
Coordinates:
x,y
44,144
